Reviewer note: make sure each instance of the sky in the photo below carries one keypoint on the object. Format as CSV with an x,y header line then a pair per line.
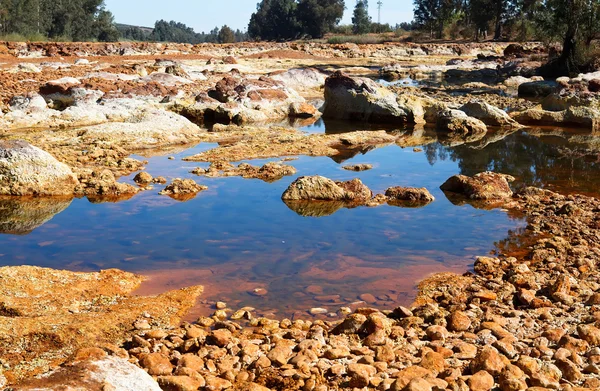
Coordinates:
x,y
204,15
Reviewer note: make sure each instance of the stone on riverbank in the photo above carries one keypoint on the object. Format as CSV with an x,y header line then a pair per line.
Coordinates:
x,y
28,170
482,186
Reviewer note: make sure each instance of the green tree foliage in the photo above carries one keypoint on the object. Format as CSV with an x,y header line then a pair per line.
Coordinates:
x,y
79,20
226,35
319,17
274,20
361,21
432,15
577,22
289,19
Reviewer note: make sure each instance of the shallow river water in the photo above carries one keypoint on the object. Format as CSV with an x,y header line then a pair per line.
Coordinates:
x,y
238,235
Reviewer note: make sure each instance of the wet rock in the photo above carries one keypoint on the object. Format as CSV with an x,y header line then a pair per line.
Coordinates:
x,y
360,99
103,183
488,114
182,189
409,194
28,170
537,89
458,122
482,186
324,189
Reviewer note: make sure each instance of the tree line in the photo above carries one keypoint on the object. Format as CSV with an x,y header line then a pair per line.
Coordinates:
x,y
180,33
78,20
574,22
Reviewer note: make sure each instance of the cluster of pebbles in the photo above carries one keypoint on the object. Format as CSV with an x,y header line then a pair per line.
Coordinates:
x,y
524,322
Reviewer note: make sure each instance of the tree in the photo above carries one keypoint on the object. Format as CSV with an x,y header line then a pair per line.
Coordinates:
x,y
578,22
274,20
226,35
361,21
318,17
433,14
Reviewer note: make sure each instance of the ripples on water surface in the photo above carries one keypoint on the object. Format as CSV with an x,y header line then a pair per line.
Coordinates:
x,y
239,235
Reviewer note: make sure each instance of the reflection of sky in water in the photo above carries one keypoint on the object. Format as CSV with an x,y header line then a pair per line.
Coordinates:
x,y
242,231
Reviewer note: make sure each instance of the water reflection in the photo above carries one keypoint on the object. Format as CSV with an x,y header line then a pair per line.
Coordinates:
x,y
239,235
20,216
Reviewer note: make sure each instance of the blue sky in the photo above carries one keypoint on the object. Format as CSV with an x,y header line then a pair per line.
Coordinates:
x,y
204,15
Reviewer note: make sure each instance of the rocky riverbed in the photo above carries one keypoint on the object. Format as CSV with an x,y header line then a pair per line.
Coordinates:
x,y
77,120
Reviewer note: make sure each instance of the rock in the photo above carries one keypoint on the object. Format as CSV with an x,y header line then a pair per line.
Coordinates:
x,y
437,333
489,360
28,68
458,122
301,78
351,325
108,373
512,378
27,103
585,117
418,384
360,99
28,170
516,81
358,167
143,178
482,186
180,383
434,362
481,381
590,334
488,114
405,376
303,110
280,354
360,374
182,189
409,194
324,189
537,89
594,85
459,321
220,337
157,364
214,383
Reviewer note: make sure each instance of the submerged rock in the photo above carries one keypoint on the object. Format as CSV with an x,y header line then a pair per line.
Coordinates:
x,y
358,167
323,189
483,186
28,170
